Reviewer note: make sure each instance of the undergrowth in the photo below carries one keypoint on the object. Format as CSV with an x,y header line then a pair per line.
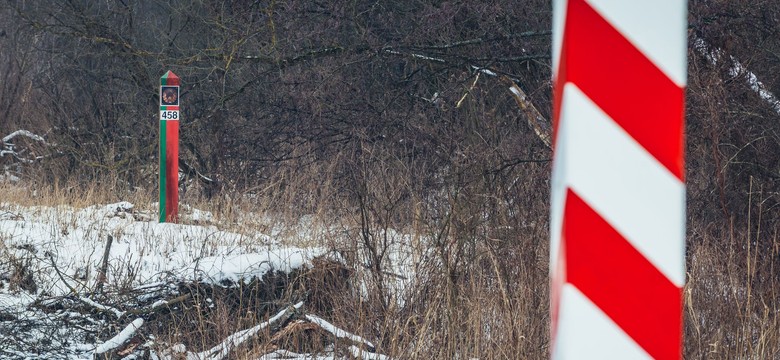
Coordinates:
x,y
442,288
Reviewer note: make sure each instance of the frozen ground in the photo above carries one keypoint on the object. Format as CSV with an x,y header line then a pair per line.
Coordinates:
x,y
51,260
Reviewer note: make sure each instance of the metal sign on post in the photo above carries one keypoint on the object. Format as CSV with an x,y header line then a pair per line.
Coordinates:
x,y
617,253
169,147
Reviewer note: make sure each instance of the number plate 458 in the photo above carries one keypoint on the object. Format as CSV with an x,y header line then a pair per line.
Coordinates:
x,y
169,115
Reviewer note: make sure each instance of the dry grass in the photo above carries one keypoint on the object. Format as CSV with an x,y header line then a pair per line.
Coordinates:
x,y
731,296
477,286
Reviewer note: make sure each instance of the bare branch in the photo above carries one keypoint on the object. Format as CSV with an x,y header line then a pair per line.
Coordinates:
x,y
538,123
480,40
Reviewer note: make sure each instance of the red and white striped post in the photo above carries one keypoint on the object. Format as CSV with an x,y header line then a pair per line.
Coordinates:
x,y
169,147
618,194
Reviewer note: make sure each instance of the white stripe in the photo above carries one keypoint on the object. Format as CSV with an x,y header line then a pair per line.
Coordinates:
x,y
656,27
557,201
621,181
557,197
558,21
558,193
585,332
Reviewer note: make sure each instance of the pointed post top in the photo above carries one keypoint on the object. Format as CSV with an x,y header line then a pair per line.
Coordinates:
x,y
169,79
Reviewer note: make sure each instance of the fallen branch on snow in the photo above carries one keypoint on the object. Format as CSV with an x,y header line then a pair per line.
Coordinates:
x,y
222,350
339,333
120,339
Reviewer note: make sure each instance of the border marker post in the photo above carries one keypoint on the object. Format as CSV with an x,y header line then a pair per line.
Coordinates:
x,y
169,147
617,227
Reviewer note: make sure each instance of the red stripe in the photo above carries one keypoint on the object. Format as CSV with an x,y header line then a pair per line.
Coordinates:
x,y
624,83
172,171
620,281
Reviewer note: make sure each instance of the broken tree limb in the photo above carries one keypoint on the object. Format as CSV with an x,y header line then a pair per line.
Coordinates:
x,y
460,102
536,121
101,278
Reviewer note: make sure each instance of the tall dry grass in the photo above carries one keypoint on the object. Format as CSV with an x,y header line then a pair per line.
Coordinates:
x,y
731,298
479,285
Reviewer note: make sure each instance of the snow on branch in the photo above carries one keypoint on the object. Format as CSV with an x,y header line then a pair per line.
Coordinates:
x,y
416,56
222,350
479,69
24,133
118,313
287,355
736,68
8,148
339,333
120,339
481,40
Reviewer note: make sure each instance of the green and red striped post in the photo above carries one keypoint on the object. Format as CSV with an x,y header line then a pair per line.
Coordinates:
x,y
169,147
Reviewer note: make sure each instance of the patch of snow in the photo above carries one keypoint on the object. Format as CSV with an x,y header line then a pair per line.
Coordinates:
x,y
159,303
15,301
73,241
362,354
201,216
63,246
8,177
232,268
485,71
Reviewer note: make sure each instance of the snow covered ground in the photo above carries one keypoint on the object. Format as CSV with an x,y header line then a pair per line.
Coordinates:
x,y
49,256
142,252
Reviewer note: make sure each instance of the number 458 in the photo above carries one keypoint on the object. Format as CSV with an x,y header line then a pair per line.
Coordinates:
x,y
169,115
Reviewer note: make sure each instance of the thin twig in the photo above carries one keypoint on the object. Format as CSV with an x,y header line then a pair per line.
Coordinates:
x,y
101,278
